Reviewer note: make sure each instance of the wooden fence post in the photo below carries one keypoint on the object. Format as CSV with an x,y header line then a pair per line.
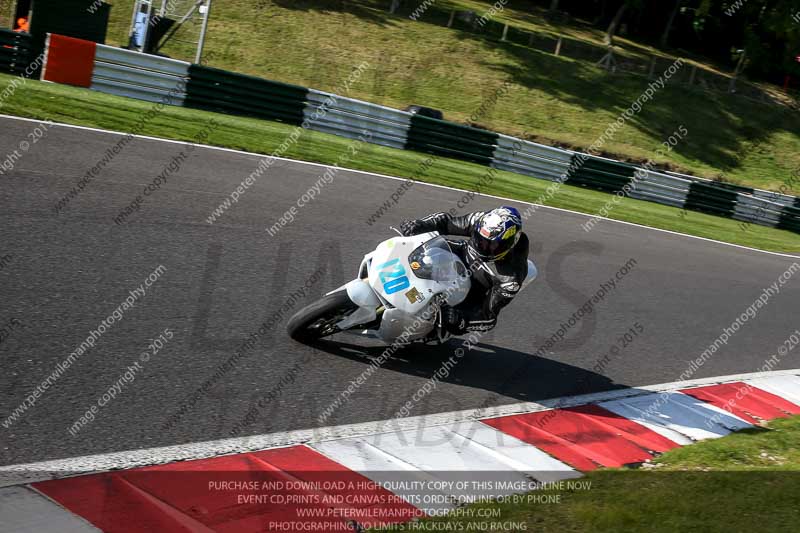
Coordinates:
x,y
739,67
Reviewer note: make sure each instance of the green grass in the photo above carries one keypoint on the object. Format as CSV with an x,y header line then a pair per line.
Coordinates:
x,y
89,108
747,481
556,100
775,449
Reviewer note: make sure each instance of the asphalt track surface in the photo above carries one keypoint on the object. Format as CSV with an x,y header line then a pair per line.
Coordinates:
x,y
69,271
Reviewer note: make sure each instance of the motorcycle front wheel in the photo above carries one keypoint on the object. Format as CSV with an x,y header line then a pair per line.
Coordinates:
x,y
319,319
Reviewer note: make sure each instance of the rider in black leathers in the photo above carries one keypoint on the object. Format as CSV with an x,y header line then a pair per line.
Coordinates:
x,y
497,255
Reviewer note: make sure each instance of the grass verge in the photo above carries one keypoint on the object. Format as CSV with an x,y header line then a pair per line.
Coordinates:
x,y
747,481
83,107
555,100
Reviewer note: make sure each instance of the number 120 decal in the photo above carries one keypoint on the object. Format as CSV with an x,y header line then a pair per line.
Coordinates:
x,y
393,276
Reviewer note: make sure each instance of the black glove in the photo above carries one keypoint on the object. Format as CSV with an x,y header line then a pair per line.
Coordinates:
x,y
453,320
410,227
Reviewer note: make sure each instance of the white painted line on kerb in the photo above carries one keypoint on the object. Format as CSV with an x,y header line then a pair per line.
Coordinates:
x,y
31,472
787,387
426,453
385,176
680,418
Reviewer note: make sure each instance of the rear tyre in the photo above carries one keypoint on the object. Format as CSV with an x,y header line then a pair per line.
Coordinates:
x,y
319,319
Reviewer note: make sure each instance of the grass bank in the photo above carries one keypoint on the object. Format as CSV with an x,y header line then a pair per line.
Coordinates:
x,y
83,107
747,481
555,100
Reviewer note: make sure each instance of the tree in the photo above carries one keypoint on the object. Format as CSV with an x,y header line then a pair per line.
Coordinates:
x,y
553,6
612,28
668,28
617,20
601,13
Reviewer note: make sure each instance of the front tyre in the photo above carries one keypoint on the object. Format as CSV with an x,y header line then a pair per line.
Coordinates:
x,y
319,319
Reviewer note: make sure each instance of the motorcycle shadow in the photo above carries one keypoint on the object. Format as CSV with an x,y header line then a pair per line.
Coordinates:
x,y
504,371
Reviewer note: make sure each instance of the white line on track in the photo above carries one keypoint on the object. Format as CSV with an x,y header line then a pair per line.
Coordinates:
x,y
385,176
31,472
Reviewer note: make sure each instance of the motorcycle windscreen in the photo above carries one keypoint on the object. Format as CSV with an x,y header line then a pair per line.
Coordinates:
x,y
435,261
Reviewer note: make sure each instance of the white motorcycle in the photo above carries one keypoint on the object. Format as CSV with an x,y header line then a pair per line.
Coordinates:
x,y
397,295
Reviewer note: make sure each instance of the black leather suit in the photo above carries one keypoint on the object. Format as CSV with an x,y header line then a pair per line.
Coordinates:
x,y
494,283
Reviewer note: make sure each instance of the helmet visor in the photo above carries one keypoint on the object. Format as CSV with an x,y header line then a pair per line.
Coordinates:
x,y
490,249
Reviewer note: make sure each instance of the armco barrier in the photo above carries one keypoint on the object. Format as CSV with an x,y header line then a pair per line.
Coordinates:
x,y
150,78
15,52
238,94
748,208
448,139
146,77
531,159
347,117
790,219
602,174
711,199
660,188
115,71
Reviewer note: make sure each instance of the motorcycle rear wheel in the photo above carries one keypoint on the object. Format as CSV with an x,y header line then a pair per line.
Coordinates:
x,y
319,319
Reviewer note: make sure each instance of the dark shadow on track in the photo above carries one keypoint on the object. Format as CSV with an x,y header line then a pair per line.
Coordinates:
x,y
499,370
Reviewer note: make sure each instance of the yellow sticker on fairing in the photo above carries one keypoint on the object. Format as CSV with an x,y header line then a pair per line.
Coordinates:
x,y
414,295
